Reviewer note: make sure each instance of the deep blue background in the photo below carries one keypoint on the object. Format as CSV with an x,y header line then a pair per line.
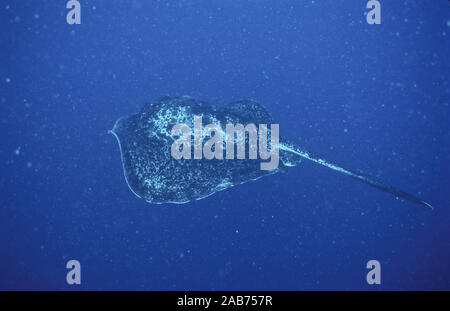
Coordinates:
x,y
369,97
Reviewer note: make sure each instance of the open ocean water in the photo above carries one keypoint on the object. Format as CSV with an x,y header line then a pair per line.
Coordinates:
x,y
373,98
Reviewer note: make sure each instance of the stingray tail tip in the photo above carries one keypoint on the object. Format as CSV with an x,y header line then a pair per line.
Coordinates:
x,y
427,205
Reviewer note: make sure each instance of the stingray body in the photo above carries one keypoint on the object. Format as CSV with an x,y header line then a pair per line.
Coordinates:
x,y
154,175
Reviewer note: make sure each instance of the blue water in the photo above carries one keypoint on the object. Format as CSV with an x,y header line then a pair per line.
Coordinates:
x,y
373,98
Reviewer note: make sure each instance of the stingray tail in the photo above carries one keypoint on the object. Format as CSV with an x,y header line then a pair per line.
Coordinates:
x,y
356,175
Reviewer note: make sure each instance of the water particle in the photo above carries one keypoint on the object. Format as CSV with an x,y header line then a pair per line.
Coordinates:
x,y
8,80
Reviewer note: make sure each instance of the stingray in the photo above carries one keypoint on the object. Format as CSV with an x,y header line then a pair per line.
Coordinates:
x,y
154,175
